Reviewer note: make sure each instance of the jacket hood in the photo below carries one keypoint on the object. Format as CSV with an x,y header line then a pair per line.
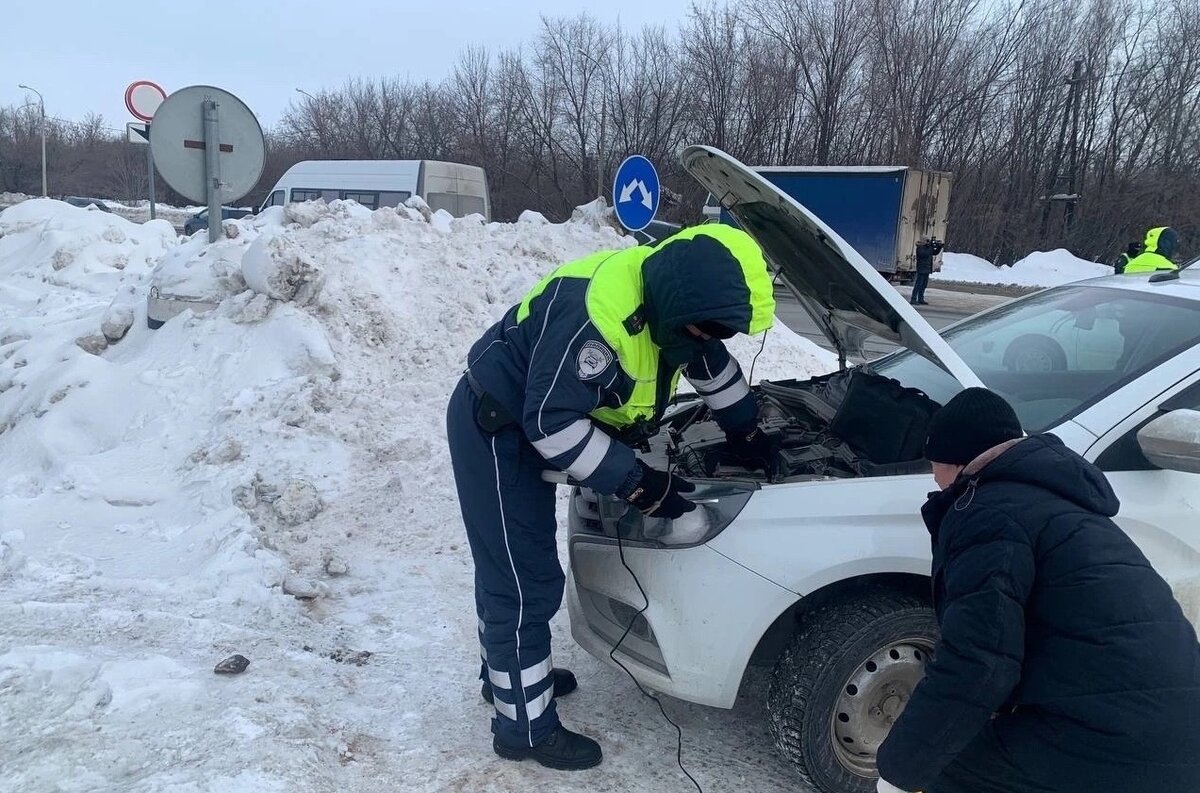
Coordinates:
x,y
706,274
1042,461
1162,241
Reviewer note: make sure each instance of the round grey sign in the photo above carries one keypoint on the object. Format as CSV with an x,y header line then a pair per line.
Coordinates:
x,y
178,145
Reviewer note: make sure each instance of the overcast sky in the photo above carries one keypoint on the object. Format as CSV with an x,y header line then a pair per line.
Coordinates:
x,y
81,54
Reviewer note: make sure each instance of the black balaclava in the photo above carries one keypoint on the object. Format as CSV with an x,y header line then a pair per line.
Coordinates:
x,y
699,284
1167,241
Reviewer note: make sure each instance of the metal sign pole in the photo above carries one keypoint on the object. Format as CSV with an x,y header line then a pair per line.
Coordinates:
x,y
212,168
208,147
150,171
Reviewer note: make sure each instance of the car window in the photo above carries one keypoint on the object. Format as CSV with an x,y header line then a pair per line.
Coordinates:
x,y
369,200
304,194
471,205
276,199
1125,453
446,201
393,198
1057,352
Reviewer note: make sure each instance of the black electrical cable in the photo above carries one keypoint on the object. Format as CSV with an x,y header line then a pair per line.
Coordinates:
x,y
754,362
763,346
612,654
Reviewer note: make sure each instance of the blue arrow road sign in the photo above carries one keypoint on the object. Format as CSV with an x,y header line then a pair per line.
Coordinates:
x,y
636,192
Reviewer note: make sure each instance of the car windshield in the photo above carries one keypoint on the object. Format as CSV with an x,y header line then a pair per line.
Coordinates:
x,y
1057,352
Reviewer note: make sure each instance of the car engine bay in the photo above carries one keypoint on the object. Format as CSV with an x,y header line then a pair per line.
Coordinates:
x,y
852,423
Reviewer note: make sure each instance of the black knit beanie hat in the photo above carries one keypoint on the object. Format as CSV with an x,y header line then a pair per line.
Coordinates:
x,y
971,423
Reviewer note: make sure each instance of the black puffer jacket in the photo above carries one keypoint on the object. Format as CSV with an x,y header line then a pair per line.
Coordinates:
x,y
926,251
1052,618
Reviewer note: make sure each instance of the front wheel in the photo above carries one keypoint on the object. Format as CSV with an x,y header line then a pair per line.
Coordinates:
x,y
842,682
1035,352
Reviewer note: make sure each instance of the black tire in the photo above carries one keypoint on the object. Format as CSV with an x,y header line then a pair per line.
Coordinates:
x,y
154,324
831,645
1034,352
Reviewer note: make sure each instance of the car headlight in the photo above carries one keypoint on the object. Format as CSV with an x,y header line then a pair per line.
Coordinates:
x,y
717,505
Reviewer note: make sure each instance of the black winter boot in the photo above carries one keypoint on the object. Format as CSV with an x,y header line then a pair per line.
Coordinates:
x,y
564,683
563,750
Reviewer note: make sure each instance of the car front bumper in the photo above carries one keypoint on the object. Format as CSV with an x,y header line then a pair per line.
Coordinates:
x,y
704,618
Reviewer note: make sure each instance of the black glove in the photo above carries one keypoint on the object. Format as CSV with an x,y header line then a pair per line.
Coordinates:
x,y
754,449
657,494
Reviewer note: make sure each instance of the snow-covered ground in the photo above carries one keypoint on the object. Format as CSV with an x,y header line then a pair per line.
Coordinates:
x,y
271,479
1041,268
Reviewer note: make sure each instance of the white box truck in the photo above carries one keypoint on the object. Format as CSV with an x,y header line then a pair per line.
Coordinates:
x,y
881,210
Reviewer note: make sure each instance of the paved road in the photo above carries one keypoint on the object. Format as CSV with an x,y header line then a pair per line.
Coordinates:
x,y
945,307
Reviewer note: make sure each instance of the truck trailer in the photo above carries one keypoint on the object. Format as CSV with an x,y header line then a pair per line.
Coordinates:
x,y
881,210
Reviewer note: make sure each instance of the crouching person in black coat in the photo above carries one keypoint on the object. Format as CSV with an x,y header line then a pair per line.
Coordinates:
x,y
1065,663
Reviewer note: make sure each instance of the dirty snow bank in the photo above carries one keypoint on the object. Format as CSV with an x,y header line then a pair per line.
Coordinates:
x,y
139,212
9,199
136,211
1041,268
271,479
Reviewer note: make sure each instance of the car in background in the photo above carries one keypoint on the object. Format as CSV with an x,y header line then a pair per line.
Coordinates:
x,y
87,203
822,572
655,231
199,220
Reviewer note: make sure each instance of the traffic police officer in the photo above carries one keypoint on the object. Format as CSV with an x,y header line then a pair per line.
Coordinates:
x,y
592,355
1156,254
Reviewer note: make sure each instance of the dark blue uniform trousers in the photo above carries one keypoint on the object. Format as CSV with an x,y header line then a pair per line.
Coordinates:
x,y
508,510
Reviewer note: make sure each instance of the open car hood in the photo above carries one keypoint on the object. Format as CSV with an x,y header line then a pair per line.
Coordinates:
x,y
846,297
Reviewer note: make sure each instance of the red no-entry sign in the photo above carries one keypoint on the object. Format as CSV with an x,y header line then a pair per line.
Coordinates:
x,y
142,98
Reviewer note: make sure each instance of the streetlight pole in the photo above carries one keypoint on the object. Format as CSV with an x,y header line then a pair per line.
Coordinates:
x,y
42,107
318,118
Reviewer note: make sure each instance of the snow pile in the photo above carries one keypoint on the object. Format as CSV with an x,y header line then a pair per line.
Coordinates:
x,y
268,479
597,214
967,268
136,211
60,267
139,212
1051,268
1038,269
9,199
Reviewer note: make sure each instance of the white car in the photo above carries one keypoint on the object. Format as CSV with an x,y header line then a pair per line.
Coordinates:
x,y
824,572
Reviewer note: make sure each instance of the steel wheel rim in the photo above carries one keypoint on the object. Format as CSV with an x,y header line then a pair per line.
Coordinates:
x,y
1034,361
870,700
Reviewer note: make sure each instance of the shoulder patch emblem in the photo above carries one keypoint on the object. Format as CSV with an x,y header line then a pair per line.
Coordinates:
x,y
594,359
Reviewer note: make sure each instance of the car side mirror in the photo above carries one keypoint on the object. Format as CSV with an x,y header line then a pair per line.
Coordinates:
x,y
1172,441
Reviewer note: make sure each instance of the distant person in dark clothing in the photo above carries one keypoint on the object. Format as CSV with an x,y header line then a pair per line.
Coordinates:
x,y
1065,664
926,250
1131,253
